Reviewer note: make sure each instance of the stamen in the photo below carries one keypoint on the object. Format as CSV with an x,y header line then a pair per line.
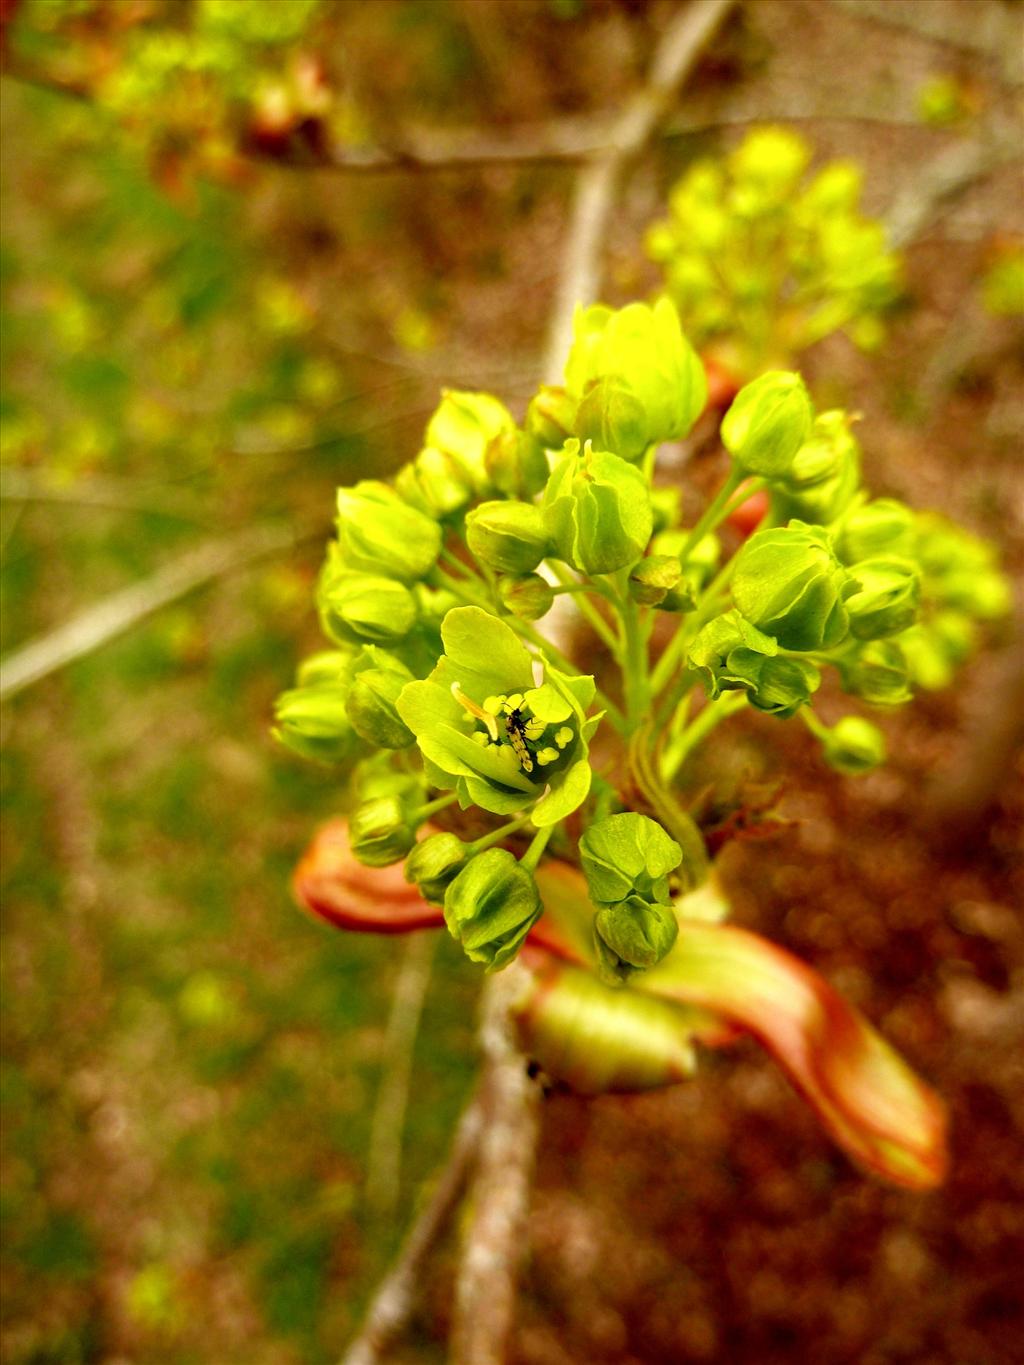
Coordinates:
x,y
474,710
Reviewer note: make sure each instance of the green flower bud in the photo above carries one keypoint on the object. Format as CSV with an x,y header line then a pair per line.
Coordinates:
x,y
463,427
597,510
709,654
768,165
379,776
886,598
790,585
774,685
701,561
853,746
313,721
491,906
881,527
633,935
550,416
805,493
436,483
516,464
433,865
356,607
628,854
612,417
507,536
372,706
927,660
381,534
878,671
768,422
328,665
956,634
835,189
529,597
653,578
380,833
636,379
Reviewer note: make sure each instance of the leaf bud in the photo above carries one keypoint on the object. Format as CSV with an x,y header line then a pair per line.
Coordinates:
x,y
767,423
508,536
853,746
633,935
372,699
790,585
356,608
886,598
653,578
529,597
881,527
433,865
491,906
380,533
312,720
636,379
380,833
597,510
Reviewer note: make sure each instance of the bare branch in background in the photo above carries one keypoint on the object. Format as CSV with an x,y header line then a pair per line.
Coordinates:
x,y
496,1237
121,610
393,1303
975,30
384,1164
676,56
947,176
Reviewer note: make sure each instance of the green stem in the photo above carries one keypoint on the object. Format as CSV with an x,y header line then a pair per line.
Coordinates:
x,y
814,723
676,821
432,807
698,730
715,512
532,856
496,835
636,682
596,621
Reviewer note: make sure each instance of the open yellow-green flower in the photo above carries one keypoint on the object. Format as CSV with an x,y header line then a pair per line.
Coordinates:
x,y
490,730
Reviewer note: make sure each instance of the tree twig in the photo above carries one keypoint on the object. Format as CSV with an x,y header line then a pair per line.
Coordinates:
x,y
394,1300
495,1239
121,610
944,179
384,1164
676,56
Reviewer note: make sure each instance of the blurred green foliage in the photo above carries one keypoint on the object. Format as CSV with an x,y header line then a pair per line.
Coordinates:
x,y
190,1064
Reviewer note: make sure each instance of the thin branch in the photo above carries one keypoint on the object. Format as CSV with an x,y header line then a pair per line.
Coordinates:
x,y
394,1300
496,1237
384,1165
985,33
944,179
119,495
676,56
121,610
